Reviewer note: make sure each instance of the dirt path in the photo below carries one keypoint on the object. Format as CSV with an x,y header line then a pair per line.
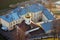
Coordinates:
x,y
58,16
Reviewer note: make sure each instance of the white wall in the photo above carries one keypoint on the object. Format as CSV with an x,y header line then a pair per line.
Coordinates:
x,y
37,16
5,23
11,24
44,18
50,12
16,22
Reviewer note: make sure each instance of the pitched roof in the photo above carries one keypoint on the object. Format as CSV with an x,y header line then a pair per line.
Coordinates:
x,y
47,26
10,17
48,14
35,8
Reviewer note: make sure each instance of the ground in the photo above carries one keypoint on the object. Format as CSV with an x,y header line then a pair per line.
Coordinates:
x,y
49,39
58,16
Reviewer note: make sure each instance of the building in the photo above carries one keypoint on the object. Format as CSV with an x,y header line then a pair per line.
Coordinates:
x,y
16,16
57,4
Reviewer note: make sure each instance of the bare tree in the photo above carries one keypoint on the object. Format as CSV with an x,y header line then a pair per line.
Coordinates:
x,y
56,28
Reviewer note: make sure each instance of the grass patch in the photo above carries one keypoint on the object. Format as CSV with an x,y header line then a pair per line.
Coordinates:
x,y
4,4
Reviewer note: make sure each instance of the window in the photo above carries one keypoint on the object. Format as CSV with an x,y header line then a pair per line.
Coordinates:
x,y
10,23
16,21
13,22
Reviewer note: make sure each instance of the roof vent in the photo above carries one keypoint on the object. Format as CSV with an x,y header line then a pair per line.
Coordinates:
x,y
22,7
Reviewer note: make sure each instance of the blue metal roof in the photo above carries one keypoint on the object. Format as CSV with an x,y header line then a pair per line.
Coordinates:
x,y
17,12
35,8
14,16
48,14
10,17
16,9
6,18
24,11
47,26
